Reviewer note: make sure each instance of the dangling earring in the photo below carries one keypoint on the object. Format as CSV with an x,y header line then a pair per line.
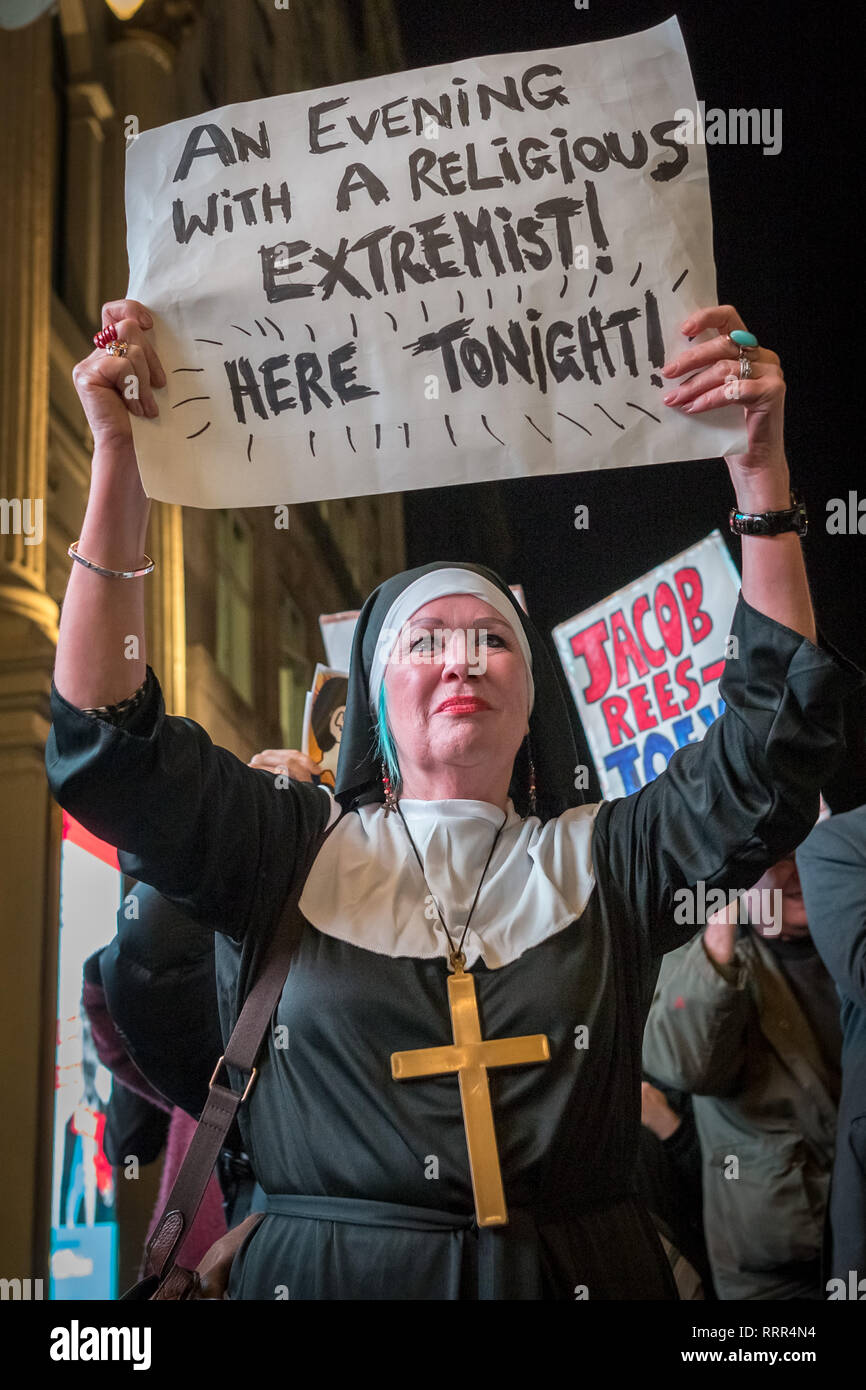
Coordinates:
x,y
533,809
390,798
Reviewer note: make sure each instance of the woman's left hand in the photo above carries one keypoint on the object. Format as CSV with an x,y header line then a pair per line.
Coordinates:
x,y
716,382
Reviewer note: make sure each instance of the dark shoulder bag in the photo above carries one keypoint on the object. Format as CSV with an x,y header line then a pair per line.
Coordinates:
x,y
163,1277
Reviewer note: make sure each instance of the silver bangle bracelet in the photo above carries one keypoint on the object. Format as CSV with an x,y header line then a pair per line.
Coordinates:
x,y
111,574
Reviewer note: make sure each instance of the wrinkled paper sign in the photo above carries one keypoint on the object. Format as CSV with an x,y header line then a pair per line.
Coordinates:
x,y
448,275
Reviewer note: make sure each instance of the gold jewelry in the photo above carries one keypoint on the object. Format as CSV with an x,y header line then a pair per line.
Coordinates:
x,y
119,348
470,1055
111,574
116,713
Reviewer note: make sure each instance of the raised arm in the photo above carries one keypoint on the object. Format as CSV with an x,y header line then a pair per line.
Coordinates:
x,y
217,838
99,614
774,576
697,1030
727,808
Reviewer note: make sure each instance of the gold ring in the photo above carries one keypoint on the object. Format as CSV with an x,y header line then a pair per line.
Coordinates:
x,y
118,348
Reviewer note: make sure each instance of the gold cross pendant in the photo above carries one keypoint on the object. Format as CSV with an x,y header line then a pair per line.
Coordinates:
x,y
470,1056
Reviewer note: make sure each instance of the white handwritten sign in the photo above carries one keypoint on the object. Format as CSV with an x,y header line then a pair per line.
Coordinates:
x,y
644,665
441,276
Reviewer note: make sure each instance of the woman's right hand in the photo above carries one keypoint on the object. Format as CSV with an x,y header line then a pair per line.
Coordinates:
x,y
656,1112
113,388
720,934
291,762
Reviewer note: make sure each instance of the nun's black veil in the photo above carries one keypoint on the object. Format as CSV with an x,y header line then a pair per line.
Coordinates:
x,y
359,780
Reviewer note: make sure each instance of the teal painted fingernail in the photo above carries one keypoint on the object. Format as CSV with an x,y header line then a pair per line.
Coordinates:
x,y
743,339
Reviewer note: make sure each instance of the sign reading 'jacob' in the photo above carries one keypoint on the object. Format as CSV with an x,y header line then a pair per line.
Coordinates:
x,y
435,277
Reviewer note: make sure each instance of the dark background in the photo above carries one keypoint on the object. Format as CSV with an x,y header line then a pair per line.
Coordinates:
x,y
784,258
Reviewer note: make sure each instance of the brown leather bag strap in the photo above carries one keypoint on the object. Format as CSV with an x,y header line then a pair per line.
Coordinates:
x,y
223,1103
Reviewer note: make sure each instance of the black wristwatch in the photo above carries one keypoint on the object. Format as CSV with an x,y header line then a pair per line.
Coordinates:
x,y
793,518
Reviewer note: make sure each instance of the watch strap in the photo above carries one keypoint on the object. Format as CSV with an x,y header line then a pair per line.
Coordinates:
x,y
792,518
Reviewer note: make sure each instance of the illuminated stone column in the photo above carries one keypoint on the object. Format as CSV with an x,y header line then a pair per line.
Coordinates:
x,y
29,824
85,211
166,605
26,167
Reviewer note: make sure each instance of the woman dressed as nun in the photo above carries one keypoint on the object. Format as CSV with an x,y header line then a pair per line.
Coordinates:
x,y
448,1103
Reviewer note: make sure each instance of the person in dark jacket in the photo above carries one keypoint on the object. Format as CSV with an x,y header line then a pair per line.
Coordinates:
x,y
150,996
668,1177
832,866
745,1017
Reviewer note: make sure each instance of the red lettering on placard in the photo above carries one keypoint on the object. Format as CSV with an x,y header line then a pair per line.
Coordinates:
x,y
654,655
691,591
614,710
713,672
625,649
668,618
590,644
682,677
668,709
644,716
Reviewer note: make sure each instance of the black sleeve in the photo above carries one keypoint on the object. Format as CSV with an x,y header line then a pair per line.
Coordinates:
x,y
727,808
160,989
215,837
133,1126
832,868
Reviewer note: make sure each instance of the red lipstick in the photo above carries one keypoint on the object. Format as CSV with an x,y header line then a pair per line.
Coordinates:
x,y
462,704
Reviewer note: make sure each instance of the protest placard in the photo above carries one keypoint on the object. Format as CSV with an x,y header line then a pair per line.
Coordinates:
x,y
644,665
337,631
454,274
323,720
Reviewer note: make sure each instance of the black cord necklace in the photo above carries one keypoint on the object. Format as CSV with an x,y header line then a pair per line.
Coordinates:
x,y
456,956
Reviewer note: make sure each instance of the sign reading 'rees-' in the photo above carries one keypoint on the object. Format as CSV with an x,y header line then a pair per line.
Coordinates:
x,y
456,274
644,665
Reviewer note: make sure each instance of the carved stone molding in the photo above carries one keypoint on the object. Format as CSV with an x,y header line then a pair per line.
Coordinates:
x,y
167,21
